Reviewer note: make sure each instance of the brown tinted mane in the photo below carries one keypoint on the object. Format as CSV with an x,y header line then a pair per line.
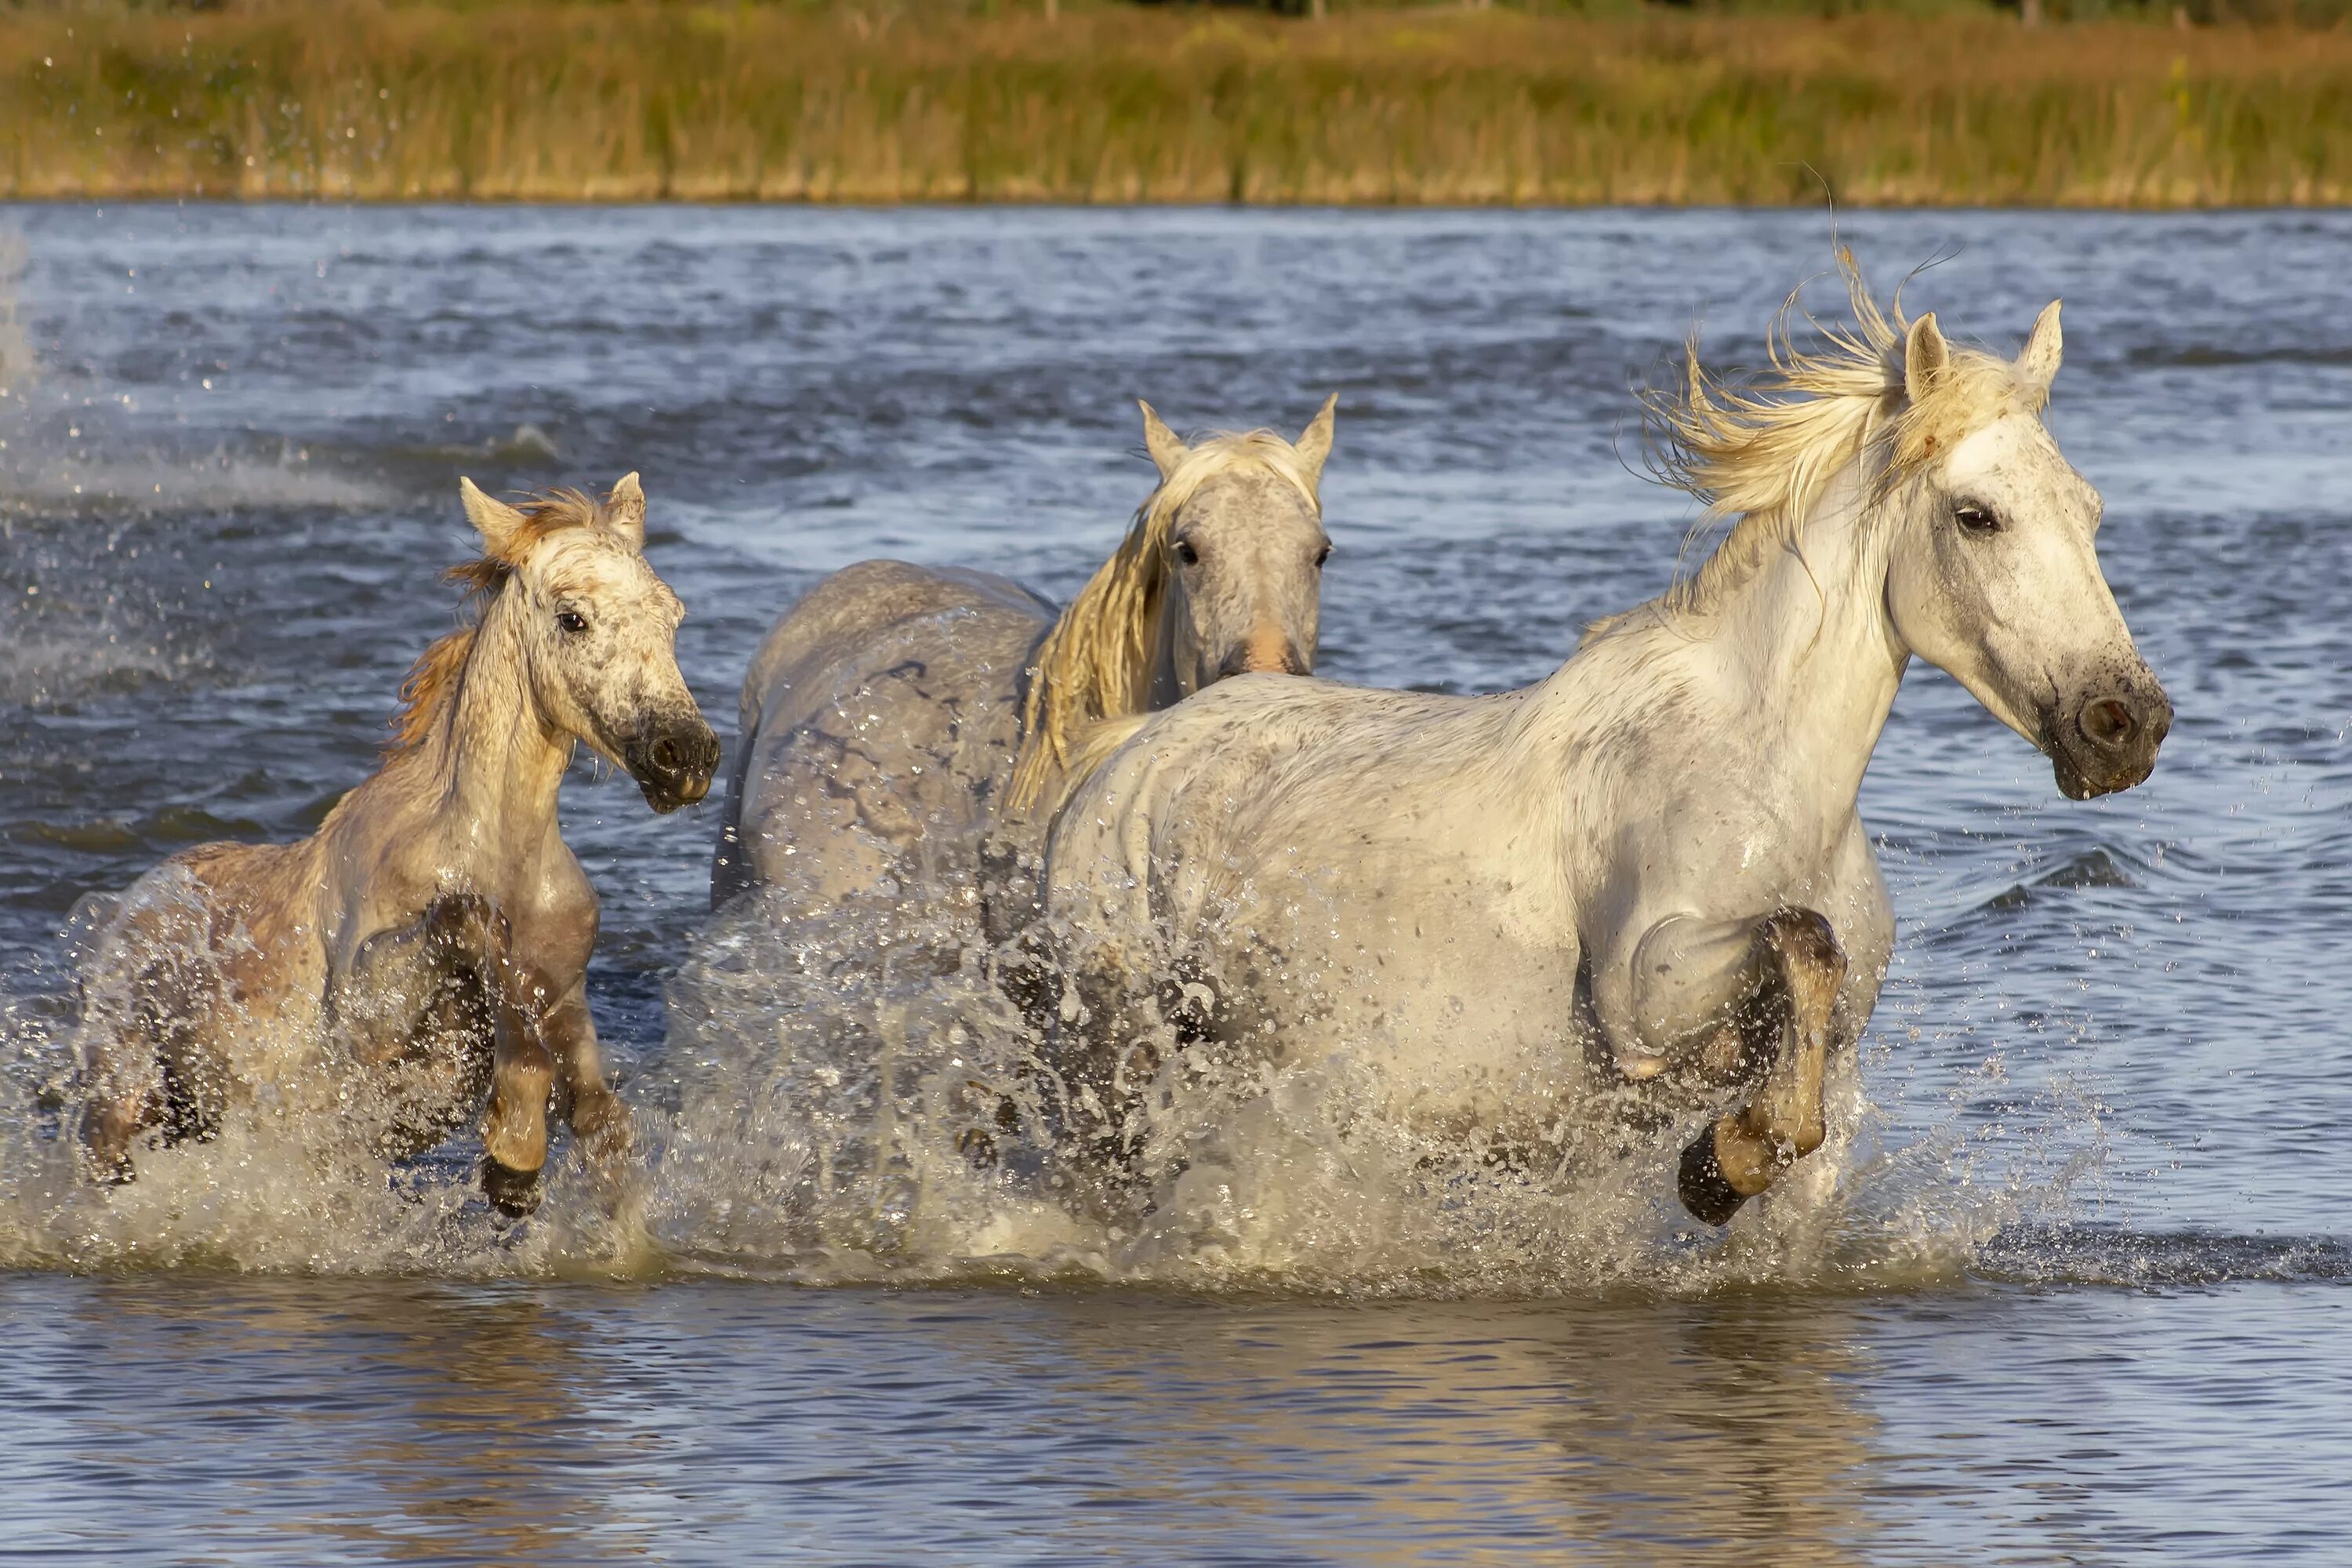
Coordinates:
x,y
433,680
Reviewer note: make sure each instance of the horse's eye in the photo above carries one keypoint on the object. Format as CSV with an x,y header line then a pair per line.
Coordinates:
x,y
1186,555
1323,554
1975,519
572,621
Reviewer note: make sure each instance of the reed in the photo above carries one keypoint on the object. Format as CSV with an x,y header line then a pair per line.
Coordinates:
x,y
351,100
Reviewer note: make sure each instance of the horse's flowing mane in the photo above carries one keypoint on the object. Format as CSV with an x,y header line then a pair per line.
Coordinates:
x,y
432,681
1762,448
1095,664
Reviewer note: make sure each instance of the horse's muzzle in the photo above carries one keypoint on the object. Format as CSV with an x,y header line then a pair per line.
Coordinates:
x,y
673,761
1266,656
2108,740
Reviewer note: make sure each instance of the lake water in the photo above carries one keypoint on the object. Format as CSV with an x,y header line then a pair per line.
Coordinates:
x,y
2083,1296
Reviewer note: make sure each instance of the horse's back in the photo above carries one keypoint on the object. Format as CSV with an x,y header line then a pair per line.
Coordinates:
x,y
836,623
1233,808
879,720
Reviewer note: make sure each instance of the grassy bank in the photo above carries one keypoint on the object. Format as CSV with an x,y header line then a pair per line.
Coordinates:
x,y
643,101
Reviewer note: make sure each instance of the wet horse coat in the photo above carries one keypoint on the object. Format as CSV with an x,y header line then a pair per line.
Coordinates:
x,y
1638,890
432,937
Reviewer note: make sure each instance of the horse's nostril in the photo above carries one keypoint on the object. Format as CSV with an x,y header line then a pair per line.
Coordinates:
x,y
2109,724
668,756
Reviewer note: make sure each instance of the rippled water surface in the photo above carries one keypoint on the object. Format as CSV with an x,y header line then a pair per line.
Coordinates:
x,y
2081,1296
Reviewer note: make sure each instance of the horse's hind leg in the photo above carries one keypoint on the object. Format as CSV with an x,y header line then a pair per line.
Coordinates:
x,y
145,1062
120,1103
1745,1151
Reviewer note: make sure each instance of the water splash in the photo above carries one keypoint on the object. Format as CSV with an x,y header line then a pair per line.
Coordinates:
x,y
851,1100
846,1098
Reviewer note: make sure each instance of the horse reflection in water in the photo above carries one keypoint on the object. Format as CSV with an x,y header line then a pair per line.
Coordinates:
x,y
1590,1433
432,938
484,1413
903,724
1639,893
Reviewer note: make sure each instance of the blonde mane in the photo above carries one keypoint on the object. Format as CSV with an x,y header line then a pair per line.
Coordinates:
x,y
432,681
1762,450
1095,663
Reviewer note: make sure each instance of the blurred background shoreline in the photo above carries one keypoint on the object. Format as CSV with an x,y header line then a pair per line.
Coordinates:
x,y
1931,102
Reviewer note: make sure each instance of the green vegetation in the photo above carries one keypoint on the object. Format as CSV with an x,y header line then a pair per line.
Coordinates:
x,y
994,101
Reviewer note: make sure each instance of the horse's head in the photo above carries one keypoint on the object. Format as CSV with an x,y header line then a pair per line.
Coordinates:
x,y
598,631
1244,547
1994,575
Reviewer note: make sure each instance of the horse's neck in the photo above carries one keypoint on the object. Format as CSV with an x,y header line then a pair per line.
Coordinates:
x,y
1787,674
1806,642
494,762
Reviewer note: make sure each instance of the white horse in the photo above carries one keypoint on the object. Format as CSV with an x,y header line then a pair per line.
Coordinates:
x,y
432,939
1639,889
900,718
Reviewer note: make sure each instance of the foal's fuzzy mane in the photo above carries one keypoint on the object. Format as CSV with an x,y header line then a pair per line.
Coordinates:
x,y
1763,448
432,680
1095,663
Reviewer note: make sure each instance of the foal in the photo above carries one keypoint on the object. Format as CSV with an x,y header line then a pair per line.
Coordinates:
x,y
432,938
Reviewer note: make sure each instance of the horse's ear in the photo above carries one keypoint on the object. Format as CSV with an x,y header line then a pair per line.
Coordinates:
x,y
1314,444
2044,349
625,510
1924,355
501,525
1166,450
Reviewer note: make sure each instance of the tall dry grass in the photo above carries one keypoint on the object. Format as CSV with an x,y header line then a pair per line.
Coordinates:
x,y
347,99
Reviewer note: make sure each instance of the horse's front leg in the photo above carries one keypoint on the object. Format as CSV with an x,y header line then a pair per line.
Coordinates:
x,y
594,1113
1745,1151
547,1057
522,1078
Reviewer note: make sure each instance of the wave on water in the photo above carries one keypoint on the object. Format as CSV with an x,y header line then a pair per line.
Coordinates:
x,y
62,476
86,451
2071,1253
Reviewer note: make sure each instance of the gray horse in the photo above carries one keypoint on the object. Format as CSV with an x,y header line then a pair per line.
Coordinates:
x,y
905,722
431,941
1639,890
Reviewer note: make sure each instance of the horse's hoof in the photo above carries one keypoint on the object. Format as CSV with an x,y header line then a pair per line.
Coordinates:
x,y
1701,1184
513,1193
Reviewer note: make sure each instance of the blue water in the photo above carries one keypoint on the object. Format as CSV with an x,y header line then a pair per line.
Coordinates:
x,y
2086,1303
